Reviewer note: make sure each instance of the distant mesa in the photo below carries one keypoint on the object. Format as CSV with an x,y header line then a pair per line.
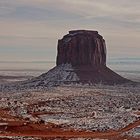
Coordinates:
x,y
81,58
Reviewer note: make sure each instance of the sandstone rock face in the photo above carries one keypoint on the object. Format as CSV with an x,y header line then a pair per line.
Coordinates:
x,y
81,58
81,47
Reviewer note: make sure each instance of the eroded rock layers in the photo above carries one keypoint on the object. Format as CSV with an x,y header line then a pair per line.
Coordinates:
x,y
82,47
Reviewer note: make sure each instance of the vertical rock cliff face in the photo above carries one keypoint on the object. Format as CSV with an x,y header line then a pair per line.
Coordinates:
x,y
82,47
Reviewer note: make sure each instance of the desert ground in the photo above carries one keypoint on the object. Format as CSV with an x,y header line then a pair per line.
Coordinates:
x,y
69,112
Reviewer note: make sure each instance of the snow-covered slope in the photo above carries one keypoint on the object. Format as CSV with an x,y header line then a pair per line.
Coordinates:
x,y
59,74
62,74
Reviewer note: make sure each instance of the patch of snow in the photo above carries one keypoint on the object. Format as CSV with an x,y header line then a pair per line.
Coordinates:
x,y
57,121
73,34
67,40
3,124
59,74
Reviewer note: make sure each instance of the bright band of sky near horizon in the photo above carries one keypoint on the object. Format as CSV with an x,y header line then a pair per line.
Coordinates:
x,y
30,29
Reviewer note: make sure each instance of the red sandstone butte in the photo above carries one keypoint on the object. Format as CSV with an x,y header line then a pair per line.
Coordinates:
x,y
86,51
81,58
81,47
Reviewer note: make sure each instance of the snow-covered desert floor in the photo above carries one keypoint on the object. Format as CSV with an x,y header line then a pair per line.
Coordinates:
x,y
71,112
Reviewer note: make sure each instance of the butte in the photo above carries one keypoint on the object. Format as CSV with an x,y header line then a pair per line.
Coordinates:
x,y
81,58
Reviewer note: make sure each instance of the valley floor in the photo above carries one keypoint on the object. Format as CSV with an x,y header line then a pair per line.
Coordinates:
x,y
71,112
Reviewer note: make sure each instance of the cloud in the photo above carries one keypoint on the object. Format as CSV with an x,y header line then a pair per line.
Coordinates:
x,y
124,11
40,23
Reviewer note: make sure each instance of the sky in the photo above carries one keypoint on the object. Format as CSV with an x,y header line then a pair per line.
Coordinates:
x,y
30,29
